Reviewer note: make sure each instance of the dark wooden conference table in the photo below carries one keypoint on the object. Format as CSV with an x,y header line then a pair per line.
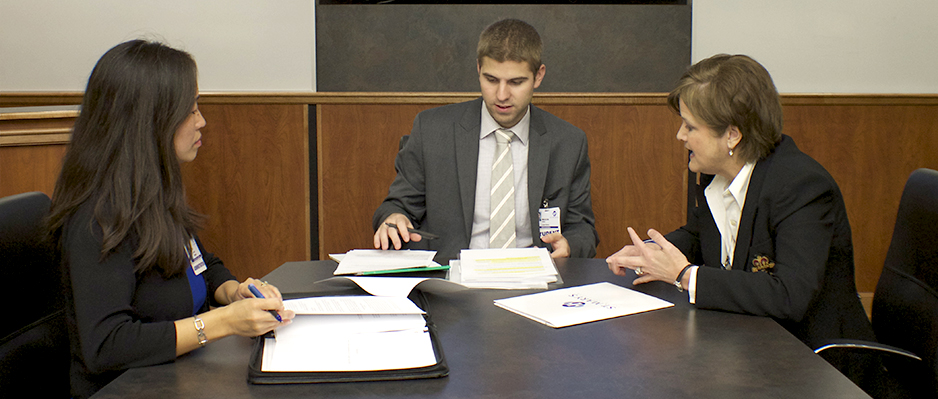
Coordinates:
x,y
678,352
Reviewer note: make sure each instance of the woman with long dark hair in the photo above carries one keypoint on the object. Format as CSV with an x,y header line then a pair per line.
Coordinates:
x,y
141,288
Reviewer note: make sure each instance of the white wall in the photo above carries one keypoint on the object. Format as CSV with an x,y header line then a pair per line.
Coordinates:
x,y
827,46
845,46
239,45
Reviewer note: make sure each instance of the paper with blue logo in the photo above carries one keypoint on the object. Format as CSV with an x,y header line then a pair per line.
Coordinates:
x,y
581,304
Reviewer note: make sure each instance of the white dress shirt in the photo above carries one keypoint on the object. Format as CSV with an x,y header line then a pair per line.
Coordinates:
x,y
519,161
726,200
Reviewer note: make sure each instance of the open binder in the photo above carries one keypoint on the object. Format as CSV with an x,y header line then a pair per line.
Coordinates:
x,y
256,375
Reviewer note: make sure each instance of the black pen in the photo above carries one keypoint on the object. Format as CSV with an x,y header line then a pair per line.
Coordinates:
x,y
424,234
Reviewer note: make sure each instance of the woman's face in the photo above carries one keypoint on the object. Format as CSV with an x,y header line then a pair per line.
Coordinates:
x,y
188,138
709,153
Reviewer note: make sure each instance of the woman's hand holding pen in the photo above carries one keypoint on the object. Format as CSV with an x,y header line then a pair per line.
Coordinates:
x,y
267,290
658,260
252,317
244,315
267,298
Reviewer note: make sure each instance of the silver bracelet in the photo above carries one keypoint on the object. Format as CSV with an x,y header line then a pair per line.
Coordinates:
x,y
200,329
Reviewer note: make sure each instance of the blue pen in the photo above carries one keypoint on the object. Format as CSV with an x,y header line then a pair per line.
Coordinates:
x,y
257,294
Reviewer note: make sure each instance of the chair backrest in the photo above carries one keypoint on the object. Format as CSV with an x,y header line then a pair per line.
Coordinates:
x,y
34,348
402,142
905,305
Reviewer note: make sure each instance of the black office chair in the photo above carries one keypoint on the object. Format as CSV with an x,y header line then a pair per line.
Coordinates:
x,y
905,304
34,349
402,142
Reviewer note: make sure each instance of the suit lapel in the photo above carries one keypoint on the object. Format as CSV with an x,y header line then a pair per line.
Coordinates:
x,y
538,159
466,140
747,217
710,241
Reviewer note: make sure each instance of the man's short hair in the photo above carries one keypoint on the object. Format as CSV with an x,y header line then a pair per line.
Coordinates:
x,y
733,90
511,40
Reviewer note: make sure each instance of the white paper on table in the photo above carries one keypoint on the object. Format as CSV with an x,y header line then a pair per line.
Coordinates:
x,y
352,304
391,286
349,343
581,304
402,286
322,325
455,275
512,264
369,260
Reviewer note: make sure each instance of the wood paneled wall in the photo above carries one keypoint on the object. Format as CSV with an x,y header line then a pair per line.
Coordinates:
x,y
32,145
870,148
356,149
251,178
251,175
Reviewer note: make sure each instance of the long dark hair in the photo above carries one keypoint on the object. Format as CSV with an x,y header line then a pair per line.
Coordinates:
x,y
122,157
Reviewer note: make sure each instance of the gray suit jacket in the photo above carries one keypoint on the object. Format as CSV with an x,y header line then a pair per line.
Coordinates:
x,y
436,178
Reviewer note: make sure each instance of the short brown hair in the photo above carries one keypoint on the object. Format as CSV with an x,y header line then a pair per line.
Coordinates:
x,y
511,40
733,90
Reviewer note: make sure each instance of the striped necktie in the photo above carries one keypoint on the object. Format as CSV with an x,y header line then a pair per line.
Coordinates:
x,y
502,216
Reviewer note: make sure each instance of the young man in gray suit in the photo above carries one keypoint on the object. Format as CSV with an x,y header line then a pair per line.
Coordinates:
x,y
495,172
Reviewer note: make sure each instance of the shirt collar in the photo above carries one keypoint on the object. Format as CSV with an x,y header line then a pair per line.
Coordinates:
x,y
489,126
740,184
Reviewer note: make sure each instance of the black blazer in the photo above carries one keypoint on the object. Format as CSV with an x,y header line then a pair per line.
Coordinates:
x,y
436,178
794,257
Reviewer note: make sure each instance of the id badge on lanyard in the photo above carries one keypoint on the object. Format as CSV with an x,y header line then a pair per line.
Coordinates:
x,y
548,220
195,258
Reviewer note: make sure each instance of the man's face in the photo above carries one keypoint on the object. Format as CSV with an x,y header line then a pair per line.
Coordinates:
x,y
507,88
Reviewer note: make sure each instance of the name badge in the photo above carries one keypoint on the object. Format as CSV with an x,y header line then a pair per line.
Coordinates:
x,y
549,220
195,258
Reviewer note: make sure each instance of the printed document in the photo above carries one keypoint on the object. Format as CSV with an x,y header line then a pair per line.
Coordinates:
x,y
350,333
349,343
582,304
521,268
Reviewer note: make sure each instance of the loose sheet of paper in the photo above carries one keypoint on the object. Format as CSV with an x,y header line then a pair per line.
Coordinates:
x,y
369,260
391,286
402,286
325,305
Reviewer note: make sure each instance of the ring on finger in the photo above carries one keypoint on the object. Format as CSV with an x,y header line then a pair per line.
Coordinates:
x,y
638,271
263,283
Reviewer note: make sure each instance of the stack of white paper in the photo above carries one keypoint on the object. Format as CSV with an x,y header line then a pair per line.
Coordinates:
x,y
350,333
582,304
374,260
513,268
352,304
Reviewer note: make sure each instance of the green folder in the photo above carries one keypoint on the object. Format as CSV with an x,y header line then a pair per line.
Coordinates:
x,y
409,269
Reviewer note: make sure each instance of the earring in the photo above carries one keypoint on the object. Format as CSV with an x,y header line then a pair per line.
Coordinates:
x,y
731,152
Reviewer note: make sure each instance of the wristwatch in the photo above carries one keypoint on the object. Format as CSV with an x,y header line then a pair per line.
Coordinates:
x,y
677,283
200,329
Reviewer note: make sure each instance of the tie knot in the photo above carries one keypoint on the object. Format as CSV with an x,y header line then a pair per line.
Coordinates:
x,y
504,135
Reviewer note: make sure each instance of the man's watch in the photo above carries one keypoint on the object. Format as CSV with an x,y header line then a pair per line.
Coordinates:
x,y
677,283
